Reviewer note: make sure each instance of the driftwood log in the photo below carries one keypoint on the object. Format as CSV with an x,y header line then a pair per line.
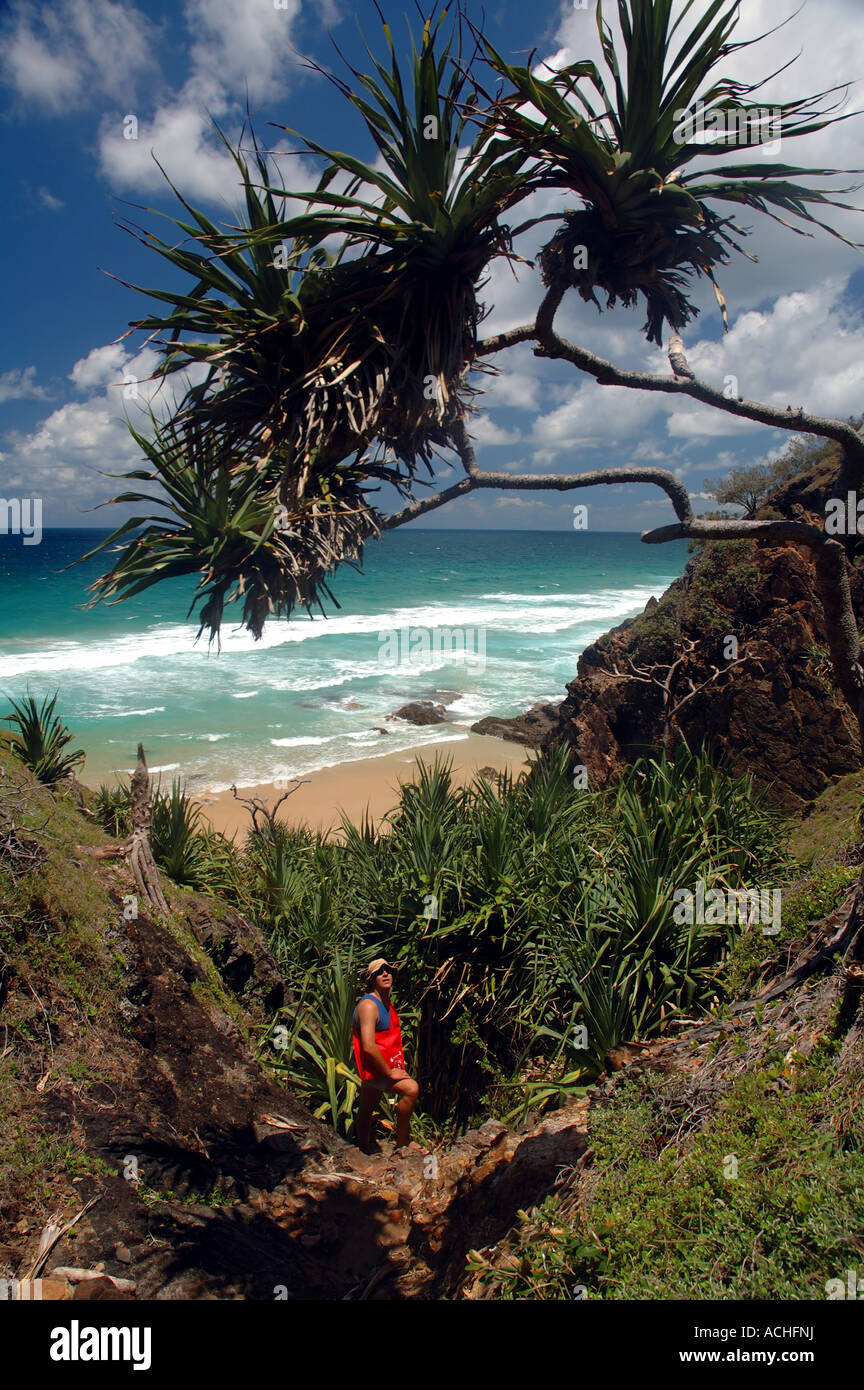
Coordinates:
x,y
137,848
139,853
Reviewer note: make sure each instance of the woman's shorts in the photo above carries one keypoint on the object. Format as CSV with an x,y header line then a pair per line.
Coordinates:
x,y
379,1083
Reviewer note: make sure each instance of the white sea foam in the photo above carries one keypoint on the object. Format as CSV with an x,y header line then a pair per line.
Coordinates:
x,y
412,745
470,706
300,742
312,674
105,713
529,613
533,598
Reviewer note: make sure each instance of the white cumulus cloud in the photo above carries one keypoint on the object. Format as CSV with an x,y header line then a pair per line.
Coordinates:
x,y
20,384
65,54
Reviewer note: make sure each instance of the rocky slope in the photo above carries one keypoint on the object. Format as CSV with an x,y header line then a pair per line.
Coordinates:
x,y
801,1042
132,1098
143,1139
772,709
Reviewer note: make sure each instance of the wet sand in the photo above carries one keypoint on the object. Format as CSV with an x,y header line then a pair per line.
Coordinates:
x,y
368,785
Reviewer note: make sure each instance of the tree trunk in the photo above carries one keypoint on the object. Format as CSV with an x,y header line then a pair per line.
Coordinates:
x,y
139,853
832,582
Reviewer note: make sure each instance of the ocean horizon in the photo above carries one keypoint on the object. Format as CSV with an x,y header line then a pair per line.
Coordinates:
x,y
485,622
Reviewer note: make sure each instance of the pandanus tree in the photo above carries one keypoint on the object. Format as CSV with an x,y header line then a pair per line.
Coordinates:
x,y
324,373
625,145
317,376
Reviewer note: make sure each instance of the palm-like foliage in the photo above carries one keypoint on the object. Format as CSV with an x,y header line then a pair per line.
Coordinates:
x,y
426,227
176,835
112,807
296,892
41,738
269,317
184,848
220,519
628,962
316,376
311,357
621,144
465,881
516,913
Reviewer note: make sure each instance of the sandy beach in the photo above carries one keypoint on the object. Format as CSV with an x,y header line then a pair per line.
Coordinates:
x,y
369,784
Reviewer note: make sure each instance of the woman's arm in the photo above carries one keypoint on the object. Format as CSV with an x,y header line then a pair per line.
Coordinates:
x,y
367,1017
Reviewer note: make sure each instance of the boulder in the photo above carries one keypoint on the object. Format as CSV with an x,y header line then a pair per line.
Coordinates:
x,y
421,712
532,728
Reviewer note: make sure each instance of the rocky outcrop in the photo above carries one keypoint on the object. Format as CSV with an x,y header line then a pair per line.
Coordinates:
x,y
533,728
733,656
246,966
421,712
342,1226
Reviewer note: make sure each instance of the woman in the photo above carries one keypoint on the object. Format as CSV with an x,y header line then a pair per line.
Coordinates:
x,y
379,1057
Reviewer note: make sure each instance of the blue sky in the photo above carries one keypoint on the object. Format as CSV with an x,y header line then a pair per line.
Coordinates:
x,y
73,70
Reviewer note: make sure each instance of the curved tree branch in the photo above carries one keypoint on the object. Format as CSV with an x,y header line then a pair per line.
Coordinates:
x,y
598,477
422,505
527,333
832,576
844,642
607,374
737,529
537,482
565,482
551,345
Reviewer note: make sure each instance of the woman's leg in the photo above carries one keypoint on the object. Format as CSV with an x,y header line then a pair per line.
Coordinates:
x,y
407,1091
369,1097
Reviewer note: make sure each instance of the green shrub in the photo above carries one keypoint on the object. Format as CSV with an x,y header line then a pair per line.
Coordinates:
x,y
175,834
40,739
112,807
519,912
680,1220
658,633
806,902
308,1046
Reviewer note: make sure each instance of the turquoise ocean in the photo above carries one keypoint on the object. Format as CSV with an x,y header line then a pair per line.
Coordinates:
x,y
313,693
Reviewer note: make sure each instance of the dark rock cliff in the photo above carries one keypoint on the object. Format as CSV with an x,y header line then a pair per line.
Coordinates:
x,y
664,677
767,700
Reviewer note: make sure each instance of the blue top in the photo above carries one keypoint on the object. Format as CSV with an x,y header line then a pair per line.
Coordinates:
x,y
383,1014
